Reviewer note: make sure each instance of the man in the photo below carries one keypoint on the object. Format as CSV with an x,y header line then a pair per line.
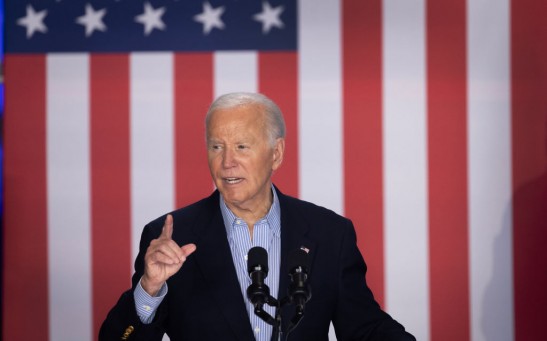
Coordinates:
x,y
197,291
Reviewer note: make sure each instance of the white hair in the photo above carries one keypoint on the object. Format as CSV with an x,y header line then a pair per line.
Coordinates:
x,y
274,118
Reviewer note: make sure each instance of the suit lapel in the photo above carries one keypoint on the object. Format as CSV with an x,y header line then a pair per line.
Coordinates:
x,y
215,262
294,229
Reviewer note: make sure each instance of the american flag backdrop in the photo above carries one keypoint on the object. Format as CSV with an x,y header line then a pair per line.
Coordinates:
x,y
424,121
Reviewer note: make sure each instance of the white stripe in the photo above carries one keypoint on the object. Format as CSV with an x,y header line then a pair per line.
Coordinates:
x,y
152,141
320,105
490,221
68,183
320,171
235,72
405,165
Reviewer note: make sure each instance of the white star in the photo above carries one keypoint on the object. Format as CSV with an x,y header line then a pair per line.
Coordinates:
x,y
151,18
269,17
210,18
33,21
92,20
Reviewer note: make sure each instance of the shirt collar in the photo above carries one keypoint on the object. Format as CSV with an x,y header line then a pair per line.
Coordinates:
x,y
273,217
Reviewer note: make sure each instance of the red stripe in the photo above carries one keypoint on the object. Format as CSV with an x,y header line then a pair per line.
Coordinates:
x,y
193,94
529,152
278,80
362,74
25,294
110,182
447,147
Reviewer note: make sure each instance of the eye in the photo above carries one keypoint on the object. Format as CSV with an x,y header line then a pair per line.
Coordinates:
x,y
243,147
215,147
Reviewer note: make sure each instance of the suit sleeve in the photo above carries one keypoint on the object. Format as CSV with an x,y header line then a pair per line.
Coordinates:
x,y
122,322
358,316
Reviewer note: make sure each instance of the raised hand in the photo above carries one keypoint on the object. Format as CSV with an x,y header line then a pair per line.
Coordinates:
x,y
163,259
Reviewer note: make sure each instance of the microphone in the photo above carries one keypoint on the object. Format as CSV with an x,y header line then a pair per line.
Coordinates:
x,y
257,266
299,289
258,292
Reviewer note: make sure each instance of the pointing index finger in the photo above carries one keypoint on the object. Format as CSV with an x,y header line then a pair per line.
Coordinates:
x,y
167,231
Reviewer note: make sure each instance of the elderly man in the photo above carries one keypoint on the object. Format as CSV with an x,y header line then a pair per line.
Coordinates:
x,y
191,275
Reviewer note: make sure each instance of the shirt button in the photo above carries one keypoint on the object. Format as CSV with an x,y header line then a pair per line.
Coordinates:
x,y
246,257
257,330
147,307
238,222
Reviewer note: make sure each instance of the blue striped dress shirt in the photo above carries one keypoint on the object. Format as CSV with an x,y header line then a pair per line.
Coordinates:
x,y
266,234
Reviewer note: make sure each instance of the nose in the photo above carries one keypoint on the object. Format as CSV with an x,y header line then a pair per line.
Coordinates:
x,y
228,158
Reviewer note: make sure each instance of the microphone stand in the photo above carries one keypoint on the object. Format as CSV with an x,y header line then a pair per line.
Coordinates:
x,y
259,293
277,334
276,322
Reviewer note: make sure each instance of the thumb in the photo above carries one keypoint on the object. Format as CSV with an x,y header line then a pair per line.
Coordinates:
x,y
167,231
188,249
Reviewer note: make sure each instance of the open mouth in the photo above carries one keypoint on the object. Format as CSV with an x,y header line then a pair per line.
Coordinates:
x,y
233,181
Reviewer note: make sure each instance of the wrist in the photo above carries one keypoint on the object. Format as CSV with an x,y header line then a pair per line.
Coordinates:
x,y
150,287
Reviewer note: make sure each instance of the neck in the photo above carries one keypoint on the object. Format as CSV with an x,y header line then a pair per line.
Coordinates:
x,y
252,214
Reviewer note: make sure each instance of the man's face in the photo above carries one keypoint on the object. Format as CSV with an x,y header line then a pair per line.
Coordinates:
x,y
241,157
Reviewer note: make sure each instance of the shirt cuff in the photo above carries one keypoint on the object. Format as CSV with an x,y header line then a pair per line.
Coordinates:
x,y
147,305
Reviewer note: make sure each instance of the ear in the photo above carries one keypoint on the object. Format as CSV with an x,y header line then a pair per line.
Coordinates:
x,y
278,152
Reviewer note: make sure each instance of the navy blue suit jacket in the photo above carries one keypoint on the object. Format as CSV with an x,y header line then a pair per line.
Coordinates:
x,y
204,301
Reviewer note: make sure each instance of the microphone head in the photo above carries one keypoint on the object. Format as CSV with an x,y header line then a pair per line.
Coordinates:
x,y
257,259
299,258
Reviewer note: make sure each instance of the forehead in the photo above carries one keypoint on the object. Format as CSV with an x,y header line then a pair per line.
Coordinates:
x,y
244,118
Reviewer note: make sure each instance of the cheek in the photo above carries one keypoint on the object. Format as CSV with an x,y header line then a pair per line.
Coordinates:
x,y
212,159
264,168
213,168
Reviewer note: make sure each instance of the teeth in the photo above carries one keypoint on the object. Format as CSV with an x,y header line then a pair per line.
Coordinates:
x,y
232,180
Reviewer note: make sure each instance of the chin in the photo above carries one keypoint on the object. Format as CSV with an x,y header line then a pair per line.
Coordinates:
x,y
229,196
233,198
